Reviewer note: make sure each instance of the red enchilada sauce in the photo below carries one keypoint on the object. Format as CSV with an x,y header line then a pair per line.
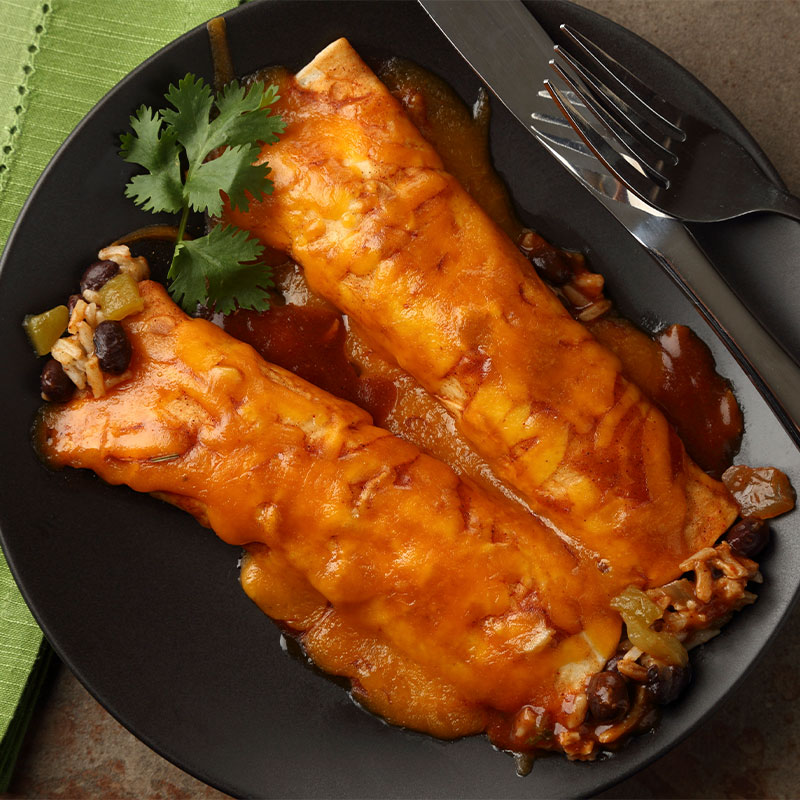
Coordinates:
x,y
311,343
309,337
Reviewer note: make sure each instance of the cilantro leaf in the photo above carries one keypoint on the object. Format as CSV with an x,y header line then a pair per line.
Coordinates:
x,y
157,151
232,172
243,119
244,116
202,269
221,154
192,100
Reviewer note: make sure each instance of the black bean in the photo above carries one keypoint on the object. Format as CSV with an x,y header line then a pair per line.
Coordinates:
x,y
55,383
748,537
553,267
608,696
112,347
612,664
73,299
666,683
98,274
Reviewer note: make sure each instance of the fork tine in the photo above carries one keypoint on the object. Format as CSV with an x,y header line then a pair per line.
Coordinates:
x,y
625,84
615,162
622,137
556,129
624,128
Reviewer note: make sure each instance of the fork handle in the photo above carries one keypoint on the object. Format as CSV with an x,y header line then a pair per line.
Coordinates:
x,y
771,369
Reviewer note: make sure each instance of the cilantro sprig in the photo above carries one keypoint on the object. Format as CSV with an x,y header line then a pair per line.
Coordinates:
x,y
174,145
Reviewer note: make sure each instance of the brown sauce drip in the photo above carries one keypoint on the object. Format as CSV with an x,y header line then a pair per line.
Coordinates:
x,y
220,53
165,232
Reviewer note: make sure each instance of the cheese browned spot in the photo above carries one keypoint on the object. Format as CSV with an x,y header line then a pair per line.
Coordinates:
x,y
449,608
362,202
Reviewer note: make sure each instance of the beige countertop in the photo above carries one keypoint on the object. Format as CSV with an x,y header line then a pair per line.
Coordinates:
x,y
749,748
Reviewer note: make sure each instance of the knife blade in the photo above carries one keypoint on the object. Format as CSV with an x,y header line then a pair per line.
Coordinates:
x,y
501,40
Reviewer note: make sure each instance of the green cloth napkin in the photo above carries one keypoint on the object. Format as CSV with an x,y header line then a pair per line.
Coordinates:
x,y
57,59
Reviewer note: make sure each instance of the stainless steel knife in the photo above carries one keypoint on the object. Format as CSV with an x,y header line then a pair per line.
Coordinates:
x,y
501,40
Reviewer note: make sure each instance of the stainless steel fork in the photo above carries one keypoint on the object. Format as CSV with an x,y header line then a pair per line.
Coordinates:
x,y
669,158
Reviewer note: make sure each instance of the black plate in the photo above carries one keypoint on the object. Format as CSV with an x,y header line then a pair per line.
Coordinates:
x,y
145,606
